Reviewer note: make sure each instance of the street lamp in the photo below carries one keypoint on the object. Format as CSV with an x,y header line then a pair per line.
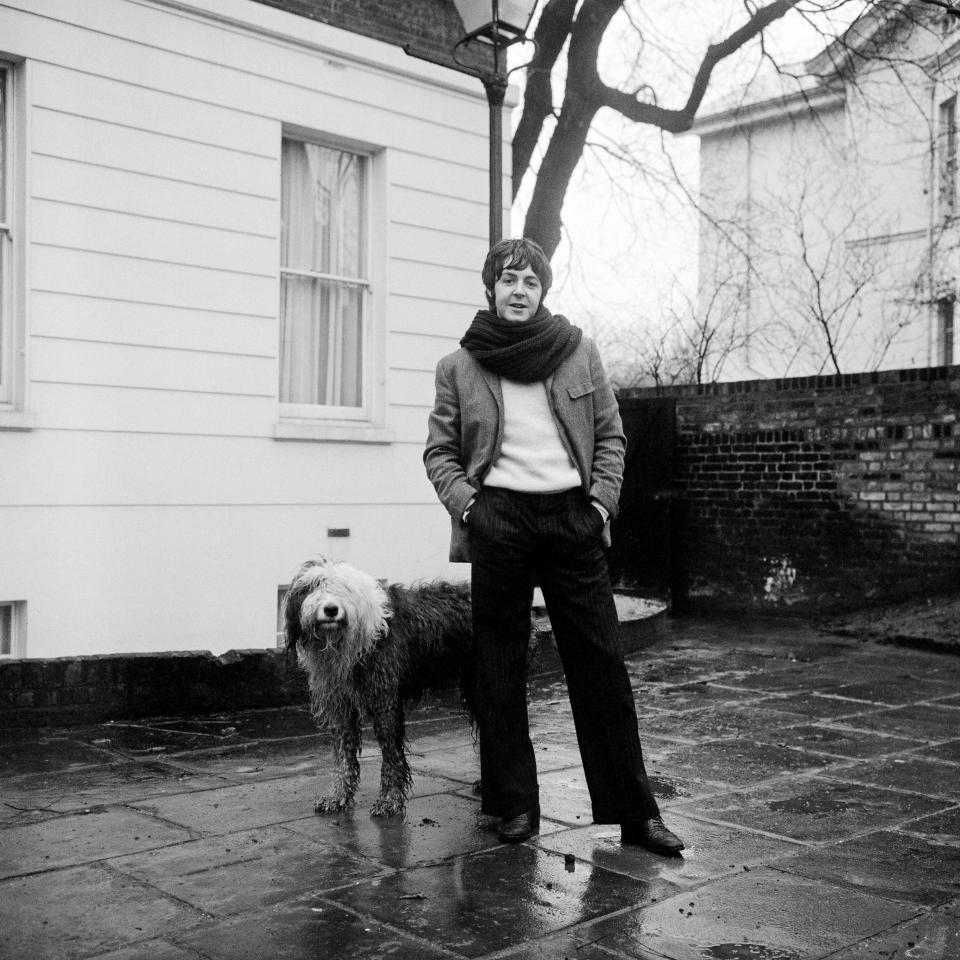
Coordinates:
x,y
497,24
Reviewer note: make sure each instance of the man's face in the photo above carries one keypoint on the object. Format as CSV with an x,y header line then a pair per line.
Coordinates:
x,y
517,294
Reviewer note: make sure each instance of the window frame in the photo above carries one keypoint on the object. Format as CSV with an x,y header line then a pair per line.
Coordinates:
x,y
946,330
18,629
298,421
947,194
13,241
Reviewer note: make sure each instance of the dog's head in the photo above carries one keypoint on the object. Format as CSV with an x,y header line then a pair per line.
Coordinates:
x,y
333,606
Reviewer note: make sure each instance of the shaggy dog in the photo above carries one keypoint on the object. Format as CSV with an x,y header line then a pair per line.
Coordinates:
x,y
366,649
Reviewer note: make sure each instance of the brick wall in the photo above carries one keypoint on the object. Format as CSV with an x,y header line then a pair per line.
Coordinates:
x,y
69,690
817,492
432,27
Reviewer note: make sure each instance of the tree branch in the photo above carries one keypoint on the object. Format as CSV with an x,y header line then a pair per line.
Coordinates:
x,y
678,121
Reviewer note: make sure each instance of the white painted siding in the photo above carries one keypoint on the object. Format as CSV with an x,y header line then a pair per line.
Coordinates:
x,y
151,507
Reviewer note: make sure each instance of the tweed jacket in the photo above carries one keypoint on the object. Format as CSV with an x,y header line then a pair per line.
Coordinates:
x,y
465,430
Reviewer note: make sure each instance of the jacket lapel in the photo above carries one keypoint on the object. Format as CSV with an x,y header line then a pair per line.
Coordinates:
x,y
492,380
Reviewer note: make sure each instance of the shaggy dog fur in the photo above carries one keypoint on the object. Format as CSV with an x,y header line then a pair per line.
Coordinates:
x,y
366,649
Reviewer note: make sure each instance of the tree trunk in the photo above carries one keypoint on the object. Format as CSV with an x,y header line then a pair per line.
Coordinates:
x,y
582,98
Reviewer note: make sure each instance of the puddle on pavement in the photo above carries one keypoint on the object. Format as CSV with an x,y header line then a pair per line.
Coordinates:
x,y
747,951
817,807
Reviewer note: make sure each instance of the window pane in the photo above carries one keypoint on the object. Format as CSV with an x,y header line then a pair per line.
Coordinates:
x,y
323,214
6,630
322,210
321,343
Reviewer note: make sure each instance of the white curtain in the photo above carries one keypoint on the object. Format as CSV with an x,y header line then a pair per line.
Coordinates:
x,y
321,321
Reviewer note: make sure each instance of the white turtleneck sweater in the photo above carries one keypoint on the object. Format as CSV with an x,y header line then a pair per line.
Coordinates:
x,y
532,457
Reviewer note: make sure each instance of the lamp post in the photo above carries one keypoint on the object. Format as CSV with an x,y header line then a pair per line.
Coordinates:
x,y
497,24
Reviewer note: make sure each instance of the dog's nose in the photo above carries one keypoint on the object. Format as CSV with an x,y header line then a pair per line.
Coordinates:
x,y
330,610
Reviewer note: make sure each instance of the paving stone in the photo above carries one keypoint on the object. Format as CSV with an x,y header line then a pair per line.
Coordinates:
x,y
479,904
932,936
942,828
761,915
313,929
932,778
891,864
80,838
710,851
820,706
84,787
694,696
814,808
247,870
431,829
39,754
728,722
256,759
573,944
924,721
82,912
783,682
739,762
260,803
836,741
460,762
949,750
137,739
892,690
151,950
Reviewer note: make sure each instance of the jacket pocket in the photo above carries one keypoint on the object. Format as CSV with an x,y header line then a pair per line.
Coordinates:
x,y
580,390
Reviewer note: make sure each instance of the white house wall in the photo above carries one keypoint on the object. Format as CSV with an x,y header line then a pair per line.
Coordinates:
x,y
149,506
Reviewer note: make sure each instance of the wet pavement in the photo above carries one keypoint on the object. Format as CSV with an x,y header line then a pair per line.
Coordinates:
x,y
815,780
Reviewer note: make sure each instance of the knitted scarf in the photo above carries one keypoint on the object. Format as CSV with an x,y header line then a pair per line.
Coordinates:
x,y
528,351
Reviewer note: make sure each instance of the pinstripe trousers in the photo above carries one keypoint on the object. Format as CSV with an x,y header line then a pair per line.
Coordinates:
x,y
517,539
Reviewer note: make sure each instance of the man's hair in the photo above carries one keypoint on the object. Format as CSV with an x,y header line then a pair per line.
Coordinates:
x,y
516,254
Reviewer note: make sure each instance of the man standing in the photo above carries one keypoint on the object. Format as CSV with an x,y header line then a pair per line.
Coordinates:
x,y
525,450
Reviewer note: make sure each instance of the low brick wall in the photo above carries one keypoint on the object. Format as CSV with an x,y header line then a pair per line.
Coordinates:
x,y
817,492
68,691
71,690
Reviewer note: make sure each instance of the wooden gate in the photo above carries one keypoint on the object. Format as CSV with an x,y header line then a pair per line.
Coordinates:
x,y
642,555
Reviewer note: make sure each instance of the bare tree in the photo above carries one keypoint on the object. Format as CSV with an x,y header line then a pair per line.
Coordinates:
x,y
564,94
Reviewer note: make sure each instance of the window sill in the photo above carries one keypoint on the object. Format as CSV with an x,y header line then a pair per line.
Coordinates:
x,y
17,420
320,430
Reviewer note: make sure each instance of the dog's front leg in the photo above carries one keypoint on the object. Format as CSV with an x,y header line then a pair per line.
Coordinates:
x,y
395,779
346,774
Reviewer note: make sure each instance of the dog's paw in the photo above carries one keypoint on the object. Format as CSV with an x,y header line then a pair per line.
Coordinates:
x,y
387,807
330,804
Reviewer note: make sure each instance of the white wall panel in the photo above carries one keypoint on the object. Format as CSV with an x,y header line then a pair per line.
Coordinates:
x,y
125,234
130,105
158,368
124,469
68,317
85,408
72,181
140,151
145,281
189,578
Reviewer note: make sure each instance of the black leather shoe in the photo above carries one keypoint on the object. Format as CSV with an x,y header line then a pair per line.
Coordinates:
x,y
651,834
519,828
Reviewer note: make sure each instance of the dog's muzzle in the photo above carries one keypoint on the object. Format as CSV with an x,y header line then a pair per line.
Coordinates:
x,y
324,619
